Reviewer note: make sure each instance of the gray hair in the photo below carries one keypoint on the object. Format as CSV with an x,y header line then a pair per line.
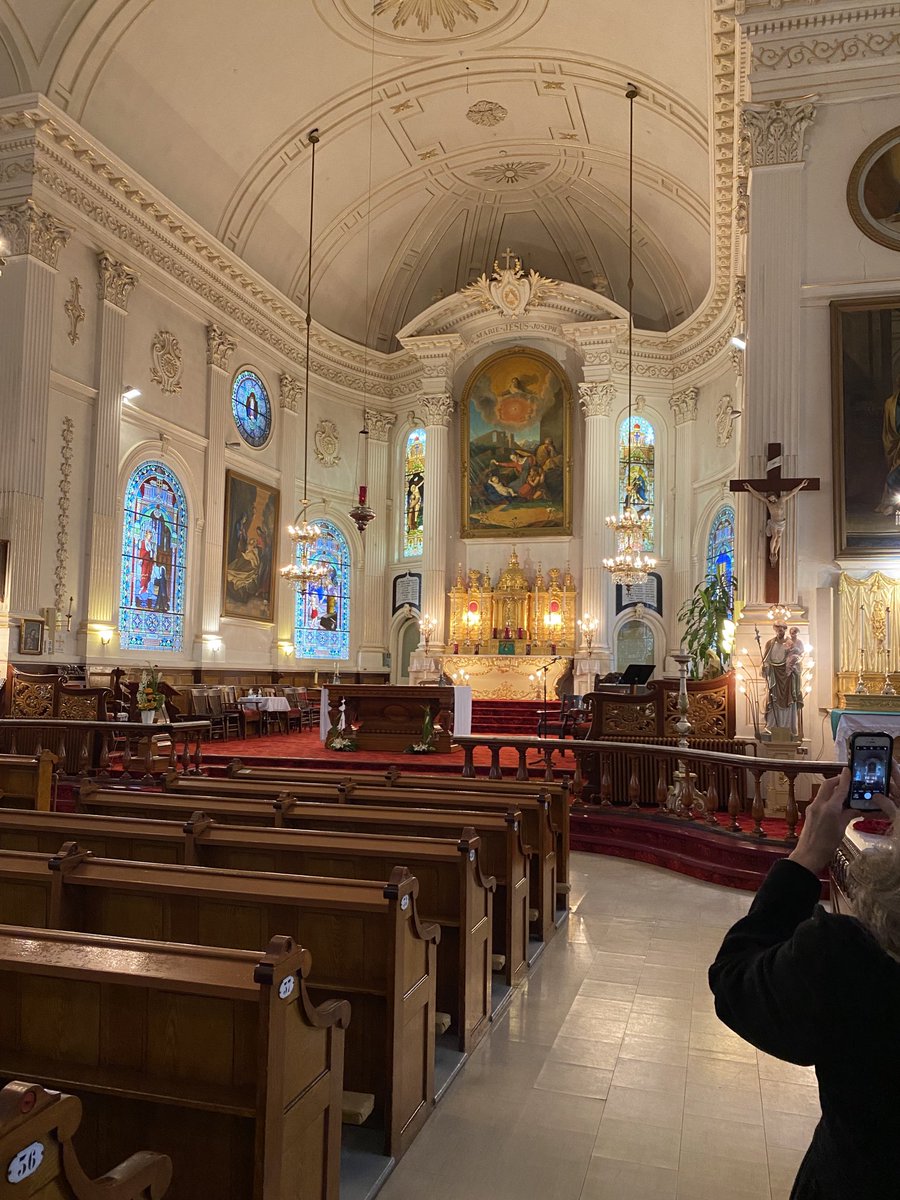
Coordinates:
x,y
873,881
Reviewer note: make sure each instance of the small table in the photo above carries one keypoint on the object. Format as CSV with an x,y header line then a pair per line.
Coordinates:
x,y
845,722
268,704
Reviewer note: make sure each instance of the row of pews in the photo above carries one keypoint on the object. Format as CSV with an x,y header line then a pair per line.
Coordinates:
x,y
269,978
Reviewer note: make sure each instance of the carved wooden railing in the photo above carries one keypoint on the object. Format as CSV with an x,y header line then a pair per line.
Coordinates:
x,y
692,769
90,747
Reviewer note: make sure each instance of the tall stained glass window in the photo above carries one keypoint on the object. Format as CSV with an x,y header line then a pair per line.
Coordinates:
x,y
323,611
151,592
643,471
414,503
720,547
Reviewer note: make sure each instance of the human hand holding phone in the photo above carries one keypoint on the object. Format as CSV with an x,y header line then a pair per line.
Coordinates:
x,y
824,823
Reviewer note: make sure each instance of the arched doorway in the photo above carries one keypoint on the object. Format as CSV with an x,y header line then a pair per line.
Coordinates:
x,y
407,640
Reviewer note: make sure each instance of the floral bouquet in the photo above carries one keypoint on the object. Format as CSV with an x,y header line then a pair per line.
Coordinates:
x,y
150,697
426,744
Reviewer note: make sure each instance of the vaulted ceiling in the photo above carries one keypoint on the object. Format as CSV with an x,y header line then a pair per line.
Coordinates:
x,y
450,129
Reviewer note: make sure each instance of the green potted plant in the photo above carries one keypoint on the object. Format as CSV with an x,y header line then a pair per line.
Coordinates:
x,y
707,622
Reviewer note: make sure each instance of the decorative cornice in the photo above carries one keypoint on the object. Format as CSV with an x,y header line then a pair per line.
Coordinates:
x,y
596,399
291,393
684,405
435,410
116,281
379,424
29,230
220,346
772,134
827,51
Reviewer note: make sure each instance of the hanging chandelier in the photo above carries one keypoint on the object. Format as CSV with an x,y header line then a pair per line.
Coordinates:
x,y
305,570
630,565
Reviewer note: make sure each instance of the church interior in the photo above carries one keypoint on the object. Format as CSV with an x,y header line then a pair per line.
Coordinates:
x,y
449,529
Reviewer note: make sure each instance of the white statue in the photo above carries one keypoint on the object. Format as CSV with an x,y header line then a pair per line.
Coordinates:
x,y
777,507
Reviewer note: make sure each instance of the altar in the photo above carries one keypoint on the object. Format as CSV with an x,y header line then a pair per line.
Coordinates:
x,y
505,677
391,718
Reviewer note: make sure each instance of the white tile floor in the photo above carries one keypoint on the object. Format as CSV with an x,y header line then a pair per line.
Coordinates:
x,y
610,1077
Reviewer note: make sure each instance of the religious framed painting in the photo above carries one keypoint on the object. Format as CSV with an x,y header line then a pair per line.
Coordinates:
x,y
873,190
31,636
865,354
250,545
516,453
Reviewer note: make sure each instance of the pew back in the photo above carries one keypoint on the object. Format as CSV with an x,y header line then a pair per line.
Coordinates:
x,y
26,780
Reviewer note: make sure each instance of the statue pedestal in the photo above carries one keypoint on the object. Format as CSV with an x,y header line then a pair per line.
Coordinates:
x,y
781,745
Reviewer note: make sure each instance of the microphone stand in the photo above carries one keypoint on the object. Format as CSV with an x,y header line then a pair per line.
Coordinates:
x,y
543,671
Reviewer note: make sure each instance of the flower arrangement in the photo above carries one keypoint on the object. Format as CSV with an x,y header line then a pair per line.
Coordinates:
x,y
426,744
150,697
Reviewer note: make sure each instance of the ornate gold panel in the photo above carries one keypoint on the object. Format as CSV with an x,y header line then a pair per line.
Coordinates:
x,y
32,699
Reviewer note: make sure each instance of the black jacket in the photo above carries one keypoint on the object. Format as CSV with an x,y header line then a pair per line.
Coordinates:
x,y
816,989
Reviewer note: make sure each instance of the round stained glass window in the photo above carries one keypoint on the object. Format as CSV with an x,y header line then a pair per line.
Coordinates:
x,y
251,408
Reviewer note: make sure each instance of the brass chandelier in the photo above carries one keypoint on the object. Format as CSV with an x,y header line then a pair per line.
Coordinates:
x,y
630,565
305,569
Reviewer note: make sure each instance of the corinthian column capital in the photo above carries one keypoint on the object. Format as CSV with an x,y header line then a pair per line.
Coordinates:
x,y
436,410
684,405
220,346
379,424
772,134
116,282
28,230
596,399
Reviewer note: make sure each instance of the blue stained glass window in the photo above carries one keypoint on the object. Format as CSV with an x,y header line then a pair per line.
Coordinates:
x,y
251,408
643,470
414,502
323,611
151,592
720,547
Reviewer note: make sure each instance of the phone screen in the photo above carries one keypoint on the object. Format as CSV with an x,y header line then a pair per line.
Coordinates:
x,y
870,769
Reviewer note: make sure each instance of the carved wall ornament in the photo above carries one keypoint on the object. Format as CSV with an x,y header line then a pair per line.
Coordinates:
x,y
220,346
726,415
74,310
513,171
740,297
116,281
379,424
737,361
327,443
741,204
509,290
815,51
165,352
422,11
435,410
596,399
60,569
772,134
291,393
684,405
27,229
487,112
640,403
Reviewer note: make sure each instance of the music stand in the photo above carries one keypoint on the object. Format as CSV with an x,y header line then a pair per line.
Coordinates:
x,y
637,675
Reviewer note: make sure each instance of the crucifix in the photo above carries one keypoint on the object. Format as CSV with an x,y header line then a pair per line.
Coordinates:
x,y
774,491
508,254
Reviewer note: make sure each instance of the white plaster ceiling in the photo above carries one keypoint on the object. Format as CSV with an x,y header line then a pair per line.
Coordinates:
x,y
211,101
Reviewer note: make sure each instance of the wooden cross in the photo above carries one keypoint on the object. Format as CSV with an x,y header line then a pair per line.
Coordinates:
x,y
774,484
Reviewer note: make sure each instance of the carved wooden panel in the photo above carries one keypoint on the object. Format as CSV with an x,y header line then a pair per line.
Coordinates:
x,y
31,698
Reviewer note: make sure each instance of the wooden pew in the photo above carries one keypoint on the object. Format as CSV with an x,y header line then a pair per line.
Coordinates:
x,y
453,891
26,780
366,941
539,829
216,1058
36,1130
559,791
504,853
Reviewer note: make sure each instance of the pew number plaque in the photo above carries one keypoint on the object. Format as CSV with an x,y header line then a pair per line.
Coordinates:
x,y
25,1163
286,987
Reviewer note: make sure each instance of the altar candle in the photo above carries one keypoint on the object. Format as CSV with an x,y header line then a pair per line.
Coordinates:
x,y
887,630
862,637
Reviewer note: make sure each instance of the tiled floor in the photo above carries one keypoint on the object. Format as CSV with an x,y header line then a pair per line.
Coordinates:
x,y
610,1078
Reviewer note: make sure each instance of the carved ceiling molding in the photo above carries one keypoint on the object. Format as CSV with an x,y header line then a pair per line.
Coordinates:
x,y
826,51
220,346
772,133
29,230
116,281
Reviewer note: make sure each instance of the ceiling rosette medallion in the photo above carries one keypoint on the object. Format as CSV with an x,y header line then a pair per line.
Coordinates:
x,y
509,289
420,25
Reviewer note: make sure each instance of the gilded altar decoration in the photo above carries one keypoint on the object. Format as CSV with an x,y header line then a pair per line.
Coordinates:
x,y
74,310
517,615
868,658
327,444
509,289
165,352
516,447
251,532
423,11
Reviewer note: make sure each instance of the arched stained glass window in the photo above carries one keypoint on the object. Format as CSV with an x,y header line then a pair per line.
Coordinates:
x,y
151,591
323,611
643,470
635,643
414,502
720,546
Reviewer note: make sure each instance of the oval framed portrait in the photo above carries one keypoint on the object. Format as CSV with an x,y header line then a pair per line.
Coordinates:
x,y
873,190
251,407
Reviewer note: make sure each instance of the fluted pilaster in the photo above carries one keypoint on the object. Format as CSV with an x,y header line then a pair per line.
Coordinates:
x,y
436,412
220,346
373,645
684,413
596,400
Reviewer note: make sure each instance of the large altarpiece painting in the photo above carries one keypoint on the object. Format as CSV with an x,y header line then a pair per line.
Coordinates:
x,y
516,447
251,538
865,381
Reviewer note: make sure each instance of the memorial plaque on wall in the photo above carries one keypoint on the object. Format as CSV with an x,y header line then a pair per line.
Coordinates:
x,y
648,593
407,590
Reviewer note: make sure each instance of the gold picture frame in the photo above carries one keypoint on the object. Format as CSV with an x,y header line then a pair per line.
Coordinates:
x,y
516,447
250,546
31,636
873,190
865,342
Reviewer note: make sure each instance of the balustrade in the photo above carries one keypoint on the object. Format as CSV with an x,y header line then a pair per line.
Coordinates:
x,y
87,747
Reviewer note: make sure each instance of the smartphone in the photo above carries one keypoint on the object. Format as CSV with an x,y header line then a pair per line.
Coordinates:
x,y
870,769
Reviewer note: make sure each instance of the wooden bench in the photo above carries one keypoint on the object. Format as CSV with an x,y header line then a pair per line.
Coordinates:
x,y
453,891
504,853
366,941
540,832
216,1058
26,780
36,1131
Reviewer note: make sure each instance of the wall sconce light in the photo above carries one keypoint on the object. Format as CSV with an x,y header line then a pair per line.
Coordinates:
x,y
287,649
588,626
105,635
213,644
427,626
739,340
130,393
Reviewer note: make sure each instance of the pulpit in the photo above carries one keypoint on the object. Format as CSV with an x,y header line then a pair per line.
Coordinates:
x,y
385,717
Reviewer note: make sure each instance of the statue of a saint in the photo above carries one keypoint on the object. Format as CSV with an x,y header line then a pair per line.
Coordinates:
x,y
777,507
781,671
